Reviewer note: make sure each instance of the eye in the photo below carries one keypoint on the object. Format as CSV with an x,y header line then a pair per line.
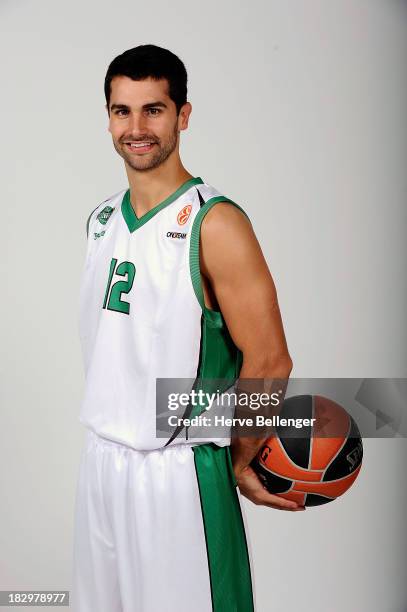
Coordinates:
x,y
120,111
154,111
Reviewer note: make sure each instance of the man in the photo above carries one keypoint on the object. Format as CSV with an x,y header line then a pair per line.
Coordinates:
x,y
174,286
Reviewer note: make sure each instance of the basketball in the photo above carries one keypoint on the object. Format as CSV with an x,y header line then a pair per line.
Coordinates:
x,y
317,463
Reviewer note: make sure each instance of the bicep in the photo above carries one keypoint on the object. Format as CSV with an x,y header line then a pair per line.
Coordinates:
x,y
235,266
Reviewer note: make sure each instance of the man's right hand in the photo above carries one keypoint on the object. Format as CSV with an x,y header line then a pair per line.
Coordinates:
x,y
251,487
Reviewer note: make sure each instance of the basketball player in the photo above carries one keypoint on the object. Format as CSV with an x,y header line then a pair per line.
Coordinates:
x,y
174,286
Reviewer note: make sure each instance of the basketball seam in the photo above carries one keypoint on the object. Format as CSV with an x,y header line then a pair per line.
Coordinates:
x,y
292,462
309,481
320,495
339,450
329,481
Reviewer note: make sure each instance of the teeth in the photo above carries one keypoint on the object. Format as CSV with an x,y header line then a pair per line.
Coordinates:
x,y
140,144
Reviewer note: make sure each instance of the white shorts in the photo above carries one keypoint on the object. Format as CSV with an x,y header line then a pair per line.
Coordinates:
x,y
159,530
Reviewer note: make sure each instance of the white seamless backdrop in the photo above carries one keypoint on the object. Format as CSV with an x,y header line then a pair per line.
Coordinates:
x,y
299,116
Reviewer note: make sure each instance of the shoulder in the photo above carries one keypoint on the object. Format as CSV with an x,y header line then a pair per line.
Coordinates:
x,y
227,219
226,211
228,241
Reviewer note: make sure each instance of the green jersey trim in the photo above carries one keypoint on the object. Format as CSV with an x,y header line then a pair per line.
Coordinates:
x,y
215,316
89,218
220,360
133,222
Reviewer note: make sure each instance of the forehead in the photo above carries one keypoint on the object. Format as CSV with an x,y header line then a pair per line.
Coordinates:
x,y
124,90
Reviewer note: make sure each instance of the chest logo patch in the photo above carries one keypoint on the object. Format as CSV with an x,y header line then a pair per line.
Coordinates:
x,y
104,214
183,214
176,235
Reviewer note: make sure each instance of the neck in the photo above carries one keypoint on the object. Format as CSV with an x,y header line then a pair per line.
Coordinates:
x,y
149,188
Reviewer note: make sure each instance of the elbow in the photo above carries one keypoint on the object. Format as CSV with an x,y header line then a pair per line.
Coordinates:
x,y
289,364
281,367
287,369
269,366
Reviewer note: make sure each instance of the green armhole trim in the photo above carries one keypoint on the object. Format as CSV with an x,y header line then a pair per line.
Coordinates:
x,y
214,316
88,221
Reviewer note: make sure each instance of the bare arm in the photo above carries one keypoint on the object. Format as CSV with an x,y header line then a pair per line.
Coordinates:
x,y
238,275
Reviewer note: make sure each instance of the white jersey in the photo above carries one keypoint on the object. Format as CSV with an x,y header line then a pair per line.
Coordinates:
x,y
142,314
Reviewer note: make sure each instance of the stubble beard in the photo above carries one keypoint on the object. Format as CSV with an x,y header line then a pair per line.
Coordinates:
x,y
160,153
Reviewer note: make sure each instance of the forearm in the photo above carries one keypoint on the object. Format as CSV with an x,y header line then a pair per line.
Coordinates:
x,y
258,377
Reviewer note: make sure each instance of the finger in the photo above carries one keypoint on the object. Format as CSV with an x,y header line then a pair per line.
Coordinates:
x,y
285,504
269,498
275,507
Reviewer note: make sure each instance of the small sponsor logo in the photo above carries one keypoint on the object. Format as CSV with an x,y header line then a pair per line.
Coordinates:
x,y
98,234
104,214
183,214
176,235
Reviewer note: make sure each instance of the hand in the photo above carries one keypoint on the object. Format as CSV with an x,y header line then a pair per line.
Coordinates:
x,y
251,487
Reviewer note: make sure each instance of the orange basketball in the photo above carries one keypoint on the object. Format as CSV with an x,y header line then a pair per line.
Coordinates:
x,y
317,463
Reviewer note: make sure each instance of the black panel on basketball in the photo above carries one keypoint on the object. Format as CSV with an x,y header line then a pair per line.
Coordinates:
x,y
275,484
316,500
349,458
296,442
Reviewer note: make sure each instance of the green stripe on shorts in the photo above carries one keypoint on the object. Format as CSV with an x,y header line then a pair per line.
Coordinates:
x,y
228,558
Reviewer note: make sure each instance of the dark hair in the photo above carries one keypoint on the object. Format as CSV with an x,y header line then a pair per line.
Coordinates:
x,y
150,61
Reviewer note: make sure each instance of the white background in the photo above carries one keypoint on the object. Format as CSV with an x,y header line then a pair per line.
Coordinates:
x,y
298,116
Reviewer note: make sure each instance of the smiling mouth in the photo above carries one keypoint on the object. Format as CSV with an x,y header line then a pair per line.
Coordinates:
x,y
139,147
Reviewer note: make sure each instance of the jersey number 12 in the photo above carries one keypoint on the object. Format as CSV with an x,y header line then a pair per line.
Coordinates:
x,y
121,286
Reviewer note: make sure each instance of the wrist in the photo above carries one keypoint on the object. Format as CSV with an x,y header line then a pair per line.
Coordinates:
x,y
243,451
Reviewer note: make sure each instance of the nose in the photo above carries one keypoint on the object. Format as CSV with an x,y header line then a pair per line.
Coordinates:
x,y
137,124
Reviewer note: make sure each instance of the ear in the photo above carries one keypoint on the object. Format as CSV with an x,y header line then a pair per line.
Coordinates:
x,y
184,114
107,109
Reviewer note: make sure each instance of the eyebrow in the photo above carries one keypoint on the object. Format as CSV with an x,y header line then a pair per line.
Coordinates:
x,y
144,107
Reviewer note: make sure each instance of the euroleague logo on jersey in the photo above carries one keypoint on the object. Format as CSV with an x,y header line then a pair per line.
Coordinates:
x,y
183,214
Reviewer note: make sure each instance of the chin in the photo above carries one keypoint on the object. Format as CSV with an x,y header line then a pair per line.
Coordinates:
x,y
147,165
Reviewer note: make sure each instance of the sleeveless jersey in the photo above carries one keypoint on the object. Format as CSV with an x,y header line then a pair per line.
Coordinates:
x,y
142,314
